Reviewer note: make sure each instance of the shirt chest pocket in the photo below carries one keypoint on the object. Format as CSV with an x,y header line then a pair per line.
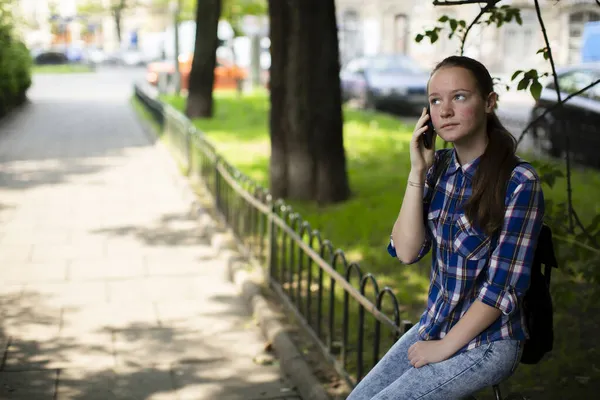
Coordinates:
x,y
433,217
468,241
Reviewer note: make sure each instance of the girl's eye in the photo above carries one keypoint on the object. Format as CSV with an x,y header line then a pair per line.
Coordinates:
x,y
460,97
434,101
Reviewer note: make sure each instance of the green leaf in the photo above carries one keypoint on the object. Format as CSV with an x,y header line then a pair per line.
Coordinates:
x,y
536,89
515,75
518,19
523,84
545,52
434,37
531,74
443,18
453,24
462,23
418,38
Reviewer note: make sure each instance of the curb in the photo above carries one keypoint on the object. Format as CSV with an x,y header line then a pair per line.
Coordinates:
x,y
291,361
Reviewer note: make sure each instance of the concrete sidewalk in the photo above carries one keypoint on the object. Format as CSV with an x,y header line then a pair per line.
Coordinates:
x,y
110,290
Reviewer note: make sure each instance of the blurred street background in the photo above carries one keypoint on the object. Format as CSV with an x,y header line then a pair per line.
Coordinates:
x,y
292,113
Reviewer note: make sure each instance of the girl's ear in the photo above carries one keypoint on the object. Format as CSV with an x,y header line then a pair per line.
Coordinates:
x,y
491,102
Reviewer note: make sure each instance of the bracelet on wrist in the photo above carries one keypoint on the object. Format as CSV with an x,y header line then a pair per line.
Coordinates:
x,y
415,184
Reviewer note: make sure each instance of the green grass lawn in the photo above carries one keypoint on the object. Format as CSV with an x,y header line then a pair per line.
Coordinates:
x,y
378,164
61,69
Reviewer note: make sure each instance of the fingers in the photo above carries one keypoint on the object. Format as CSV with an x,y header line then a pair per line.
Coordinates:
x,y
421,125
412,349
414,358
418,132
412,354
418,362
422,119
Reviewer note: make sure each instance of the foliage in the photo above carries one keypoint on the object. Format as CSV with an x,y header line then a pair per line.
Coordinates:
x,y
61,69
235,10
15,63
232,10
110,7
114,8
186,8
496,16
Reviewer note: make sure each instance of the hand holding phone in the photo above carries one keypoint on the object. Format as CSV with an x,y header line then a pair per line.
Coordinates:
x,y
427,136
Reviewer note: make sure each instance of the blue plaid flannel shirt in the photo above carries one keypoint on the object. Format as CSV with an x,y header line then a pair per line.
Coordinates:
x,y
468,265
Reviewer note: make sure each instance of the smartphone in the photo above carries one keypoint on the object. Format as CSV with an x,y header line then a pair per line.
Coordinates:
x,y
427,136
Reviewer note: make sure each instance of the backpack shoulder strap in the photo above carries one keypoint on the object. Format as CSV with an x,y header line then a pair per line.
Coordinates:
x,y
438,169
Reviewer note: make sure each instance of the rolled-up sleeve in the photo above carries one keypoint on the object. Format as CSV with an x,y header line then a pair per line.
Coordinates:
x,y
422,252
509,270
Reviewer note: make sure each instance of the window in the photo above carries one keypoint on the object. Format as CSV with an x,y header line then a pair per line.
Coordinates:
x,y
400,33
577,20
520,41
350,46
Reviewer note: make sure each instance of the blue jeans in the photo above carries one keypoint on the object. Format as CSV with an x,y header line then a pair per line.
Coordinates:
x,y
393,378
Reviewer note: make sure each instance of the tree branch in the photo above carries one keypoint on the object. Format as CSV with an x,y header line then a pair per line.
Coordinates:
x,y
485,9
460,2
555,76
590,237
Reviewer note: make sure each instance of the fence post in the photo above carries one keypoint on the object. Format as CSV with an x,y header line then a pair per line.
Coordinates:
x,y
272,239
188,147
217,183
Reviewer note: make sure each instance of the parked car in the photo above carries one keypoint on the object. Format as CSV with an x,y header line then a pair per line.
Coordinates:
x,y
49,57
227,74
394,83
578,118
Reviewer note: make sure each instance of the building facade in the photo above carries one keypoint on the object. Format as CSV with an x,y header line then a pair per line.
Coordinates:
x,y
50,23
369,27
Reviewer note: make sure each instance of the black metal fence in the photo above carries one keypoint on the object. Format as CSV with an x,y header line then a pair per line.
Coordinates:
x,y
353,324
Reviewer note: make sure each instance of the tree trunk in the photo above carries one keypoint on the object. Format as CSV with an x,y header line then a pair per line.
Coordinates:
x,y
332,178
202,75
278,17
117,17
308,161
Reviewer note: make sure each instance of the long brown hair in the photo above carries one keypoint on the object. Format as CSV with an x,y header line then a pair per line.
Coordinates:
x,y
485,208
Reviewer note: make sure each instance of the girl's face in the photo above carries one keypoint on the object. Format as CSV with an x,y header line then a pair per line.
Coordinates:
x,y
458,109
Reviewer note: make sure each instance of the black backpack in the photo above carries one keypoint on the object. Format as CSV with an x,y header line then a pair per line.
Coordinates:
x,y
537,302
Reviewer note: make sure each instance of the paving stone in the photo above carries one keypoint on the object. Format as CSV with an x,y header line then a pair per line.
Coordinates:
x,y
28,385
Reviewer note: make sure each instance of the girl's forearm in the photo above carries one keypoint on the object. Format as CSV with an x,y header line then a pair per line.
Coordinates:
x,y
477,318
408,232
